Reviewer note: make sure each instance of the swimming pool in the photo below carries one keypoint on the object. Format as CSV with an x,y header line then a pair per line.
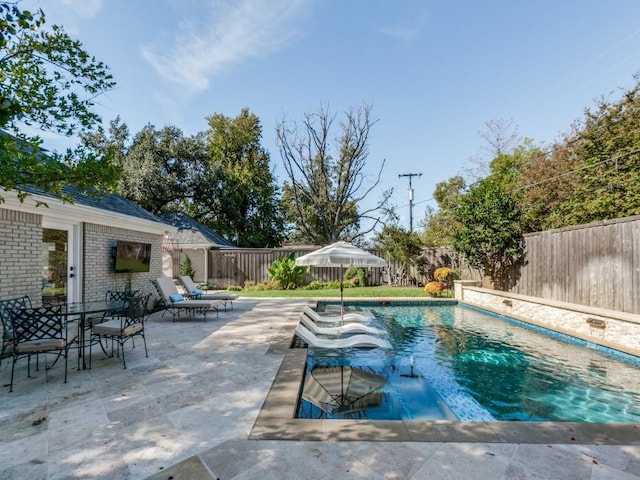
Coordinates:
x,y
454,362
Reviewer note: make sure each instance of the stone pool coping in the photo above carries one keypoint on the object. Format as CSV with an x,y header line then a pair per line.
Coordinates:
x,y
276,420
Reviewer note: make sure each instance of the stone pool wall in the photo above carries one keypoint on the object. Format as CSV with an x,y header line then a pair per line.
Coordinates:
x,y
617,330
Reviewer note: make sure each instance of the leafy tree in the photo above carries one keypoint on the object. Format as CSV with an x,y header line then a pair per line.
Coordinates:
x,y
235,192
158,168
489,232
49,82
607,181
325,182
438,225
400,245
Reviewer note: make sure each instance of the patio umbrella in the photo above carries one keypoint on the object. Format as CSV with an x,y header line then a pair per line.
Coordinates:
x,y
342,389
341,254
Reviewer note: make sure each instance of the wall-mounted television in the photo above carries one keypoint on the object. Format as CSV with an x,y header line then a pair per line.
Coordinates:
x,y
132,257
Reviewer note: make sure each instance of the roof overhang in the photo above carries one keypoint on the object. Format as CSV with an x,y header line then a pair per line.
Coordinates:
x,y
56,209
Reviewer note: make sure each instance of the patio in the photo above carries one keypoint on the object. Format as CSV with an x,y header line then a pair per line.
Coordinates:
x,y
188,411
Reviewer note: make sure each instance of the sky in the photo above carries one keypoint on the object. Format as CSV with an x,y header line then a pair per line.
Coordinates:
x,y
434,72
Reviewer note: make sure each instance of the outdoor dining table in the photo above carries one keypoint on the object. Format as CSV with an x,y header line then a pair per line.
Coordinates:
x,y
81,310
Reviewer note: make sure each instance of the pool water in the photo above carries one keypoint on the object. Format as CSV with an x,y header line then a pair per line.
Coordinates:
x,y
451,361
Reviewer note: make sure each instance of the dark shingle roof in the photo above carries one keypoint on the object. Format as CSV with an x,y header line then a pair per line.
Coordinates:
x,y
111,202
193,232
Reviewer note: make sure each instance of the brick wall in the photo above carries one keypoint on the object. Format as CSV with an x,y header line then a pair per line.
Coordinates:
x,y
99,276
20,254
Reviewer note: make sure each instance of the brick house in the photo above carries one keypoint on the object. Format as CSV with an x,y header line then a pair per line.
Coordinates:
x,y
66,251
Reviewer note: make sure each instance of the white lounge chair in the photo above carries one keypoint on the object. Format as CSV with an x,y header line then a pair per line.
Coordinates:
x,y
349,328
360,340
194,292
348,317
175,302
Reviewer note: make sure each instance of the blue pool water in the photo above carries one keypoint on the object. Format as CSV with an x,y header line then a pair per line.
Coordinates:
x,y
456,362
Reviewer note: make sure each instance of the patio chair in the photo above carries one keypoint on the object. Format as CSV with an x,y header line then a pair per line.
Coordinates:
x,y
111,296
42,330
348,317
122,327
175,302
194,292
349,328
8,340
360,340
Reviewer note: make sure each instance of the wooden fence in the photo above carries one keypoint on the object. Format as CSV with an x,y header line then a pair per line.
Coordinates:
x,y
595,265
237,266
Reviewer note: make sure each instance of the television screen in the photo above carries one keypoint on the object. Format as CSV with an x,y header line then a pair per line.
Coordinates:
x,y
132,256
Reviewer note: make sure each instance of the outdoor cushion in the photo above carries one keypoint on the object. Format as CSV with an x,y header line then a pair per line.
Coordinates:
x,y
176,298
114,327
196,291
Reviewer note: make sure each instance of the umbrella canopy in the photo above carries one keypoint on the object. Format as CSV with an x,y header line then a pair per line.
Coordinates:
x,y
341,254
342,389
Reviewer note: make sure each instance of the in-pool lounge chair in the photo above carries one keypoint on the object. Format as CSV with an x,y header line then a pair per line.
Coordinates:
x,y
360,340
175,302
348,316
194,292
349,328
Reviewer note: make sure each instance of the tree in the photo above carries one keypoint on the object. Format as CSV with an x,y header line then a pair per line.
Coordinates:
x,y
326,183
488,231
49,82
400,245
438,225
501,137
157,170
235,192
607,182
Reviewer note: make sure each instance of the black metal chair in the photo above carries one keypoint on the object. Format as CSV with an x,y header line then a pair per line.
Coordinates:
x,y
126,325
111,296
41,330
8,337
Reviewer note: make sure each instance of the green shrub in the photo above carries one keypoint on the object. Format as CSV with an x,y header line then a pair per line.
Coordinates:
x,y
285,271
234,288
186,268
355,276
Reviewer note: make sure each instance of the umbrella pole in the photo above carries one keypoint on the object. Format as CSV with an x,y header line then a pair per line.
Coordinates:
x,y
341,297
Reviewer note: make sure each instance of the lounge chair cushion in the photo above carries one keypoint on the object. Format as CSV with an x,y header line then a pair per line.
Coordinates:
x,y
196,291
176,298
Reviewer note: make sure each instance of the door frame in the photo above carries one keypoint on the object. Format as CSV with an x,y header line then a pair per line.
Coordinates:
x,y
74,255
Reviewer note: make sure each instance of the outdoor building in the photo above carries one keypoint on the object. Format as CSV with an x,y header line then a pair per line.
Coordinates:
x,y
66,252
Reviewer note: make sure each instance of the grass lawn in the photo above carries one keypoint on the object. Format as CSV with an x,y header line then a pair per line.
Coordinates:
x,y
351,292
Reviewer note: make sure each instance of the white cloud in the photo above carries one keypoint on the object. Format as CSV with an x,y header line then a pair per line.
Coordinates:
x,y
231,32
84,8
405,25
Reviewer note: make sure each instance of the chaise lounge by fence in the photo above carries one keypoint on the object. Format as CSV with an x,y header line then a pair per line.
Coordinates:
x,y
175,303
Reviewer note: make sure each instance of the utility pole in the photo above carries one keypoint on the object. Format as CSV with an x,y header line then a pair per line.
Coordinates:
x,y
410,175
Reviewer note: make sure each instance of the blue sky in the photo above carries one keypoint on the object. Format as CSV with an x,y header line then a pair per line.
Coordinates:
x,y
434,72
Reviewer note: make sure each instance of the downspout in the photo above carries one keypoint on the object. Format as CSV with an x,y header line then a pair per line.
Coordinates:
x,y
206,265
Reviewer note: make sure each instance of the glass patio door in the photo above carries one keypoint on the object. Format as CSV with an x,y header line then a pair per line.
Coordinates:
x,y
59,265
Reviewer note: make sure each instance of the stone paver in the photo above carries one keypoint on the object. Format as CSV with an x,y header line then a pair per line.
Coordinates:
x,y
194,409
